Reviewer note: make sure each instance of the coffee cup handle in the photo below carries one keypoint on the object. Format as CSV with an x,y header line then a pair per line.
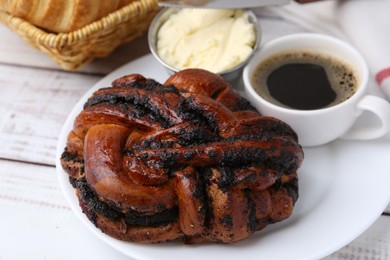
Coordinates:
x,y
379,107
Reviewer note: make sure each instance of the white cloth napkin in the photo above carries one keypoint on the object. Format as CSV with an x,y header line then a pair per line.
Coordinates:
x,y
367,25
363,23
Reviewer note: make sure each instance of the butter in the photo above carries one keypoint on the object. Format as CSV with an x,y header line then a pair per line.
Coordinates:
x,y
211,39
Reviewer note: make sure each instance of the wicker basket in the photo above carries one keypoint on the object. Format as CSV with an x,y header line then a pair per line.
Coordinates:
x,y
98,39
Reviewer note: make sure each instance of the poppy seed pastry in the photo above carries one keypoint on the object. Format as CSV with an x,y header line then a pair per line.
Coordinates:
x,y
189,160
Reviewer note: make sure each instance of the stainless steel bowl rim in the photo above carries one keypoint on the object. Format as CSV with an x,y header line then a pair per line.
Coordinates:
x,y
163,16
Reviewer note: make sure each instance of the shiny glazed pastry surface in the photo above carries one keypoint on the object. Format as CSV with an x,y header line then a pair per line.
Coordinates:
x,y
189,160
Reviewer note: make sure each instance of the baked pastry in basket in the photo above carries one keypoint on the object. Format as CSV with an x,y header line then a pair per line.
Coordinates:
x,y
189,159
61,15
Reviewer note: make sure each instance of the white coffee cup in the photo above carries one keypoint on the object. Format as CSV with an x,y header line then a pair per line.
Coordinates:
x,y
320,126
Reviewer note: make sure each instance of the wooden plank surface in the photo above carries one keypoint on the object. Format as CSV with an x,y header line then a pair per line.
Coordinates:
x,y
34,104
32,208
15,51
37,221
35,98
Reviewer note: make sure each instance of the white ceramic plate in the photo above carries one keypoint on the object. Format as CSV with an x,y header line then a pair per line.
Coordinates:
x,y
344,187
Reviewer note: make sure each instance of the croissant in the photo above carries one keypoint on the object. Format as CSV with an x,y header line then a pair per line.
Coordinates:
x,y
188,160
60,15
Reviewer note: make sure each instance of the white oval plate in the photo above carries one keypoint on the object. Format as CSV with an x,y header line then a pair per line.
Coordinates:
x,y
344,187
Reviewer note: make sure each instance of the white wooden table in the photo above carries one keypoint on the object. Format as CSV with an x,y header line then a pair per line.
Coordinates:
x,y
35,99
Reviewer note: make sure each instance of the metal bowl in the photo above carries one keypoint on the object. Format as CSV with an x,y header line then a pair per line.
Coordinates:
x,y
230,75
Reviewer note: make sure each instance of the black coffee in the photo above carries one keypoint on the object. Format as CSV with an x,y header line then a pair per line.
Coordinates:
x,y
304,80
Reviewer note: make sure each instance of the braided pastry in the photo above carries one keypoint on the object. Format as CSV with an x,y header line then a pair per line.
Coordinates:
x,y
189,159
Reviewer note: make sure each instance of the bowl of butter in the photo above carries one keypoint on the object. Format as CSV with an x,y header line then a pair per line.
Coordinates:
x,y
218,40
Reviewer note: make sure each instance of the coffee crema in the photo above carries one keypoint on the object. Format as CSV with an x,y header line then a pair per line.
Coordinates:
x,y
304,80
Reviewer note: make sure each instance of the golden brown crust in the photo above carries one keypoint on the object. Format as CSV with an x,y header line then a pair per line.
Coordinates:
x,y
59,15
188,160
119,229
191,219
202,82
